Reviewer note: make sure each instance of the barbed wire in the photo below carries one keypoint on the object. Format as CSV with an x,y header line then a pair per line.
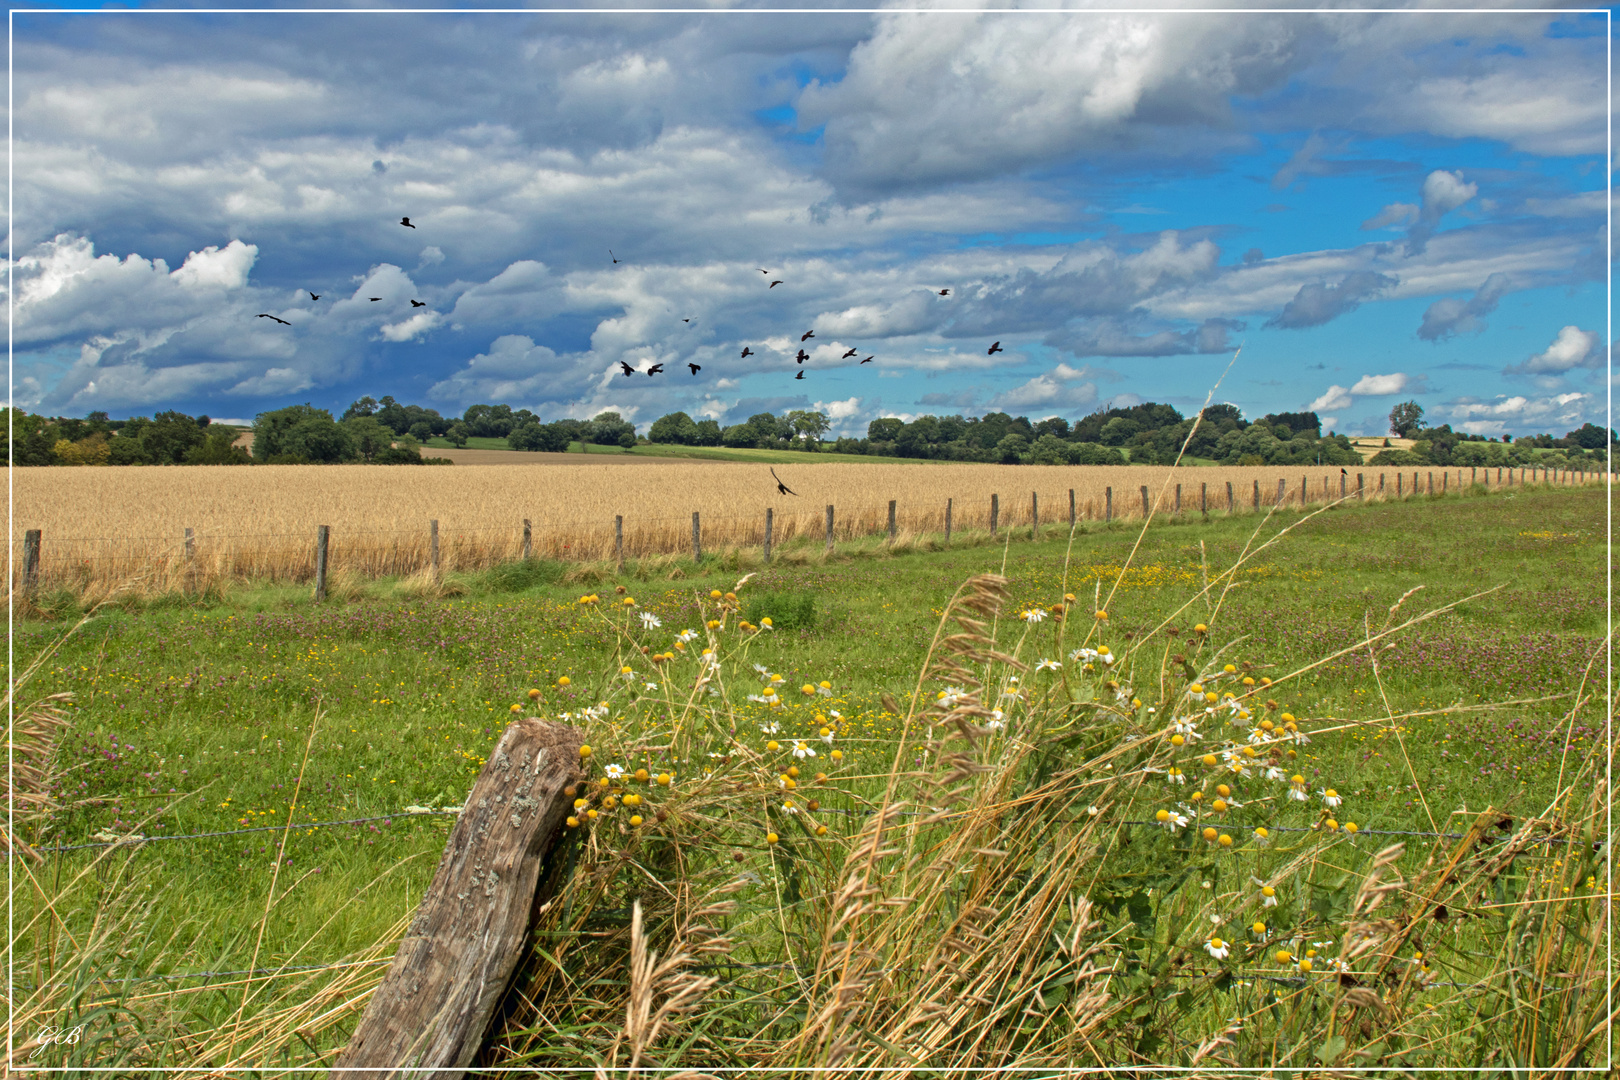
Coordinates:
x,y
138,840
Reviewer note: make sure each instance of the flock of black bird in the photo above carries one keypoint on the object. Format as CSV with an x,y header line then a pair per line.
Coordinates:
x,y
800,357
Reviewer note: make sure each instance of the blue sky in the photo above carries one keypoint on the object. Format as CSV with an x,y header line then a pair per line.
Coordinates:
x,y
1376,207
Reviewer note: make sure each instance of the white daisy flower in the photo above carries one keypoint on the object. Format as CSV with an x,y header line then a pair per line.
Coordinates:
x,y
801,751
1047,665
614,771
1033,615
949,696
1331,798
1217,948
789,808
652,686
685,636
997,721
764,671
650,621
1084,654
761,699
1297,793
1174,821
770,728
1274,773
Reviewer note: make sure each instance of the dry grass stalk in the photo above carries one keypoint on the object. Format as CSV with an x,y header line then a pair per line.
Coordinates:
x,y
33,752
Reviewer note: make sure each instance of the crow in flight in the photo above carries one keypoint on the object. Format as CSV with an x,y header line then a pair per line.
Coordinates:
x,y
283,322
746,353
802,357
995,349
417,303
628,370
944,292
772,285
374,299
695,367
800,375
655,369
405,221
767,273
868,360
614,257
313,296
781,487
807,335
849,354
686,320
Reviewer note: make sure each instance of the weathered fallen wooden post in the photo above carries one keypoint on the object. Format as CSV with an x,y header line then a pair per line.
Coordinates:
x,y
434,1006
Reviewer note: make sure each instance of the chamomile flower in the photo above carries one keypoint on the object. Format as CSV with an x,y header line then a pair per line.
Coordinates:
x,y
997,720
685,635
1082,654
1175,775
1274,773
1331,798
1217,948
1033,615
1296,789
824,688
652,686
949,696
801,751
1186,729
615,772
827,736
770,727
1047,665
650,621
1171,820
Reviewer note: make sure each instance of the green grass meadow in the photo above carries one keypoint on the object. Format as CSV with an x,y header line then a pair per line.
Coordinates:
x,y
257,707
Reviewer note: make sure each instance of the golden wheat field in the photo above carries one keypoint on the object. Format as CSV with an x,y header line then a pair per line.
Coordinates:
x,y
115,525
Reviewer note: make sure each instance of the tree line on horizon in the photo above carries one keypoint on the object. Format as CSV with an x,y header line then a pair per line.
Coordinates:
x,y
386,431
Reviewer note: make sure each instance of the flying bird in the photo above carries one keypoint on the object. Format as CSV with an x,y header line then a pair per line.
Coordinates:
x,y
614,257
655,369
374,299
849,354
405,221
807,335
767,273
695,367
313,296
628,370
772,285
781,487
995,349
417,303
944,292
802,357
283,322
686,320
800,375
868,360
746,353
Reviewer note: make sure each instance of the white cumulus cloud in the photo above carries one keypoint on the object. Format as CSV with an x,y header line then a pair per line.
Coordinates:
x,y
1572,348
1336,399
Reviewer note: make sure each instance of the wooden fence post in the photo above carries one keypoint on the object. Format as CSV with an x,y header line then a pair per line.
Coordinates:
x,y
618,540
528,540
1473,475
1343,478
830,528
1361,486
1034,516
995,513
1431,482
1108,504
30,569
433,546
1178,500
947,521
1071,508
1445,482
191,546
1304,491
697,538
1203,500
1398,477
506,851
1257,495
1380,485
1231,499
1144,502
768,516
1282,489
322,534
891,521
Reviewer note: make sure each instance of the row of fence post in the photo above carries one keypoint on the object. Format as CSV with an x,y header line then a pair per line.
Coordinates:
x,y
33,538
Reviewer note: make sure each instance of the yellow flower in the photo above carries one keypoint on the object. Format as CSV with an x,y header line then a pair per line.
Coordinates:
x,y
821,830
807,690
1195,688
1258,927
629,601
1200,629
585,751
1102,616
731,596
1210,699
1305,965
1162,816
635,819
1248,681
627,670
1332,826
714,594
1351,827
573,822
1197,796
838,755
1209,834
1222,790
632,800
563,680
771,838
591,814
1229,669
534,695
1177,740
517,710
1209,760
713,624
1218,805
773,745
663,779
1284,956
1225,841
641,774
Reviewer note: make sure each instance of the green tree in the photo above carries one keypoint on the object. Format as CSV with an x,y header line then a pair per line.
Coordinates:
x,y
809,426
458,434
300,431
676,427
370,437
1405,417
218,448
886,429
